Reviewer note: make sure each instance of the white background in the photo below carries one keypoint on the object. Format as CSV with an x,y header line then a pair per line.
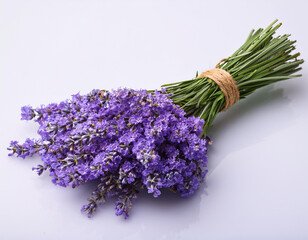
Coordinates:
x,y
257,186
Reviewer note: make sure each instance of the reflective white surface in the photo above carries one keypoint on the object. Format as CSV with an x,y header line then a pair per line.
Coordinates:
x,y
257,186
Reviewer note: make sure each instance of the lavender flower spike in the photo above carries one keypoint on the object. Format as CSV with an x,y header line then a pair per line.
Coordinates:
x,y
127,139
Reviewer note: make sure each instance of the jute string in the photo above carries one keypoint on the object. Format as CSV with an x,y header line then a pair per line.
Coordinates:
x,y
226,84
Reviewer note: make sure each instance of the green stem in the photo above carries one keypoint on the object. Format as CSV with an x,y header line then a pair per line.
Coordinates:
x,y
260,61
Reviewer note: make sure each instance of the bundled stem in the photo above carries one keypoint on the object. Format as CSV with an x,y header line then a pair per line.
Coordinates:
x,y
260,61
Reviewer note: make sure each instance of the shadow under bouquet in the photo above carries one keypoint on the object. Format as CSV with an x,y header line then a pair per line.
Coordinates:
x,y
130,140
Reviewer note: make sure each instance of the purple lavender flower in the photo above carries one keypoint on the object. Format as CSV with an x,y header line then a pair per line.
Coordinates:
x,y
27,113
127,139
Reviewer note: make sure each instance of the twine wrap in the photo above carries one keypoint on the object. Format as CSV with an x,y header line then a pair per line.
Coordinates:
x,y
226,84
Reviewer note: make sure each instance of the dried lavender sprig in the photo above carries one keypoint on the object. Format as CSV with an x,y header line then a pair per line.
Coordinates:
x,y
262,60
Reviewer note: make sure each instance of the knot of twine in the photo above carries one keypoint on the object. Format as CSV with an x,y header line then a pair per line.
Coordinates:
x,y
226,84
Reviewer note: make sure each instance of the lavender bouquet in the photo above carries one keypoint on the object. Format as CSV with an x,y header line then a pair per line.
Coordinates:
x,y
130,140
